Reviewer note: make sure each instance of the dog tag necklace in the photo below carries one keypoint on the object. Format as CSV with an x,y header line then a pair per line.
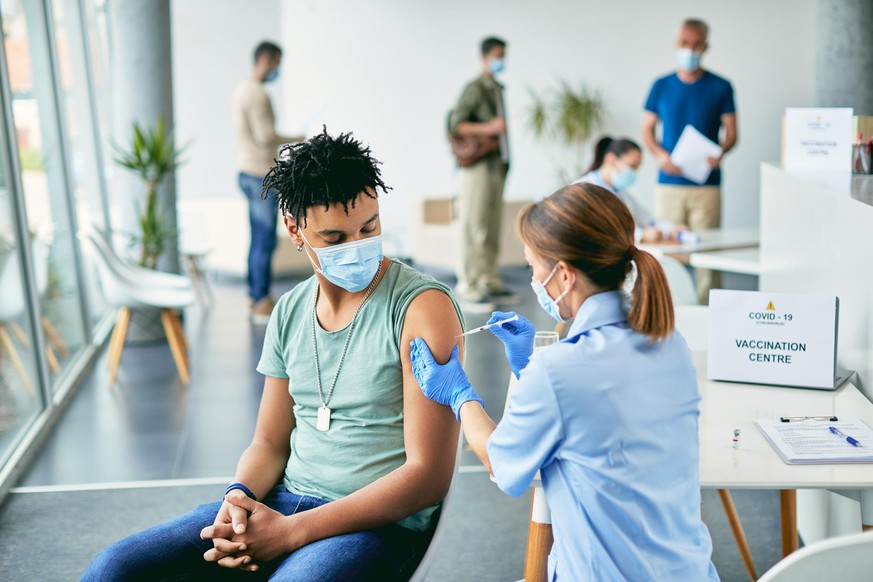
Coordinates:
x,y
322,419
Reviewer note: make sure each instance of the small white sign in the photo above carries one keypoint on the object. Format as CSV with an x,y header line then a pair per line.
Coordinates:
x,y
773,338
818,140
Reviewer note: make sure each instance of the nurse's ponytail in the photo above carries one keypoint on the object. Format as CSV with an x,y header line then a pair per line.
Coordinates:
x,y
607,145
592,230
651,311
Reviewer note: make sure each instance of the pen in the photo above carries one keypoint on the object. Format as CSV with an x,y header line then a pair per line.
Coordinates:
x,y
487,325
839,433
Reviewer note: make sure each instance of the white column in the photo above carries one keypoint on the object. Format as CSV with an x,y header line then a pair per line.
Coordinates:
x,y
142,91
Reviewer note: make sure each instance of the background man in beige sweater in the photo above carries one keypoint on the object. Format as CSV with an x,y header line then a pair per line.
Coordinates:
x,y
255,123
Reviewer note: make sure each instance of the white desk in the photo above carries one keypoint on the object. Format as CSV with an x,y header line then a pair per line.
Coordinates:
x,y
710,240
755,465
743,261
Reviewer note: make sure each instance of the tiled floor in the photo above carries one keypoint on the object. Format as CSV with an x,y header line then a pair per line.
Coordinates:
x,y
150,426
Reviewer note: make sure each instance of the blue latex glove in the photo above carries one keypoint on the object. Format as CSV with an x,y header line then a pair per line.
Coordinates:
x,y
447,384
517,338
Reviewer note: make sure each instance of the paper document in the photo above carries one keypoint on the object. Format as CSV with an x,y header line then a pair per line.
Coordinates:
x,y
811,441
691,154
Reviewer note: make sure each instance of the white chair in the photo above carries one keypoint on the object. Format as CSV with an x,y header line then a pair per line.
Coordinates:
x,y
126,286
681,282
844,559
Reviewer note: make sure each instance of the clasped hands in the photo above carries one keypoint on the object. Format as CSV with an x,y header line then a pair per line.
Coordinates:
x,y
246,533
448,383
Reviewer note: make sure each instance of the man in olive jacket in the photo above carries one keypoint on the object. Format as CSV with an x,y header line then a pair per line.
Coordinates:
x,y
480,112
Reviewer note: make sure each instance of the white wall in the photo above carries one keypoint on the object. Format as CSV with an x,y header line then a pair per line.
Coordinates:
x,y
389,70
213,44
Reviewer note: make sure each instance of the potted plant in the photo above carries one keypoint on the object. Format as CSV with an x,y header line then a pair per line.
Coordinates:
x,y
152,155
568,117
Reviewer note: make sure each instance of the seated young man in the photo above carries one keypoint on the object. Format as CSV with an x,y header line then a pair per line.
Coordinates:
x,y
349,460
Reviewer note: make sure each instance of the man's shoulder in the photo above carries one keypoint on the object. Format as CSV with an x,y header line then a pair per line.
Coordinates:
x,y
666,79
716,80
248,88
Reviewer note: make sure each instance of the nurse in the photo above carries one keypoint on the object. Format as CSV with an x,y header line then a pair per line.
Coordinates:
x,y
615,166
608,415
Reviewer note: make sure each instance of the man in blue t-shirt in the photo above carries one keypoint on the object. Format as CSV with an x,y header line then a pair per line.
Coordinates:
x,y
702,99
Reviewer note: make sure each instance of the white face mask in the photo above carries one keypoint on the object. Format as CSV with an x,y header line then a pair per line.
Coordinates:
x,y
545,300
351,265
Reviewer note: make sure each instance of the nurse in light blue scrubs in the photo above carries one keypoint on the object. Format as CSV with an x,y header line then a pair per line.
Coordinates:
x,y
608,415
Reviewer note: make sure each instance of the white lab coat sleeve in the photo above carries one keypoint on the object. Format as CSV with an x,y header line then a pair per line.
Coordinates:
x,y
529,434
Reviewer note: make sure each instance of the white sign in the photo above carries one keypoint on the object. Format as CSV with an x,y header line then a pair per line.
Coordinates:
x,y
773,338
818,140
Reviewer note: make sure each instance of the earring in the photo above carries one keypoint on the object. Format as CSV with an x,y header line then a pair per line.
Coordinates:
x,y
299,248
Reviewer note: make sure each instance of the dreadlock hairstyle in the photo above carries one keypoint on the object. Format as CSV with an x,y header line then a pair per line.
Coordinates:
x,y
323,170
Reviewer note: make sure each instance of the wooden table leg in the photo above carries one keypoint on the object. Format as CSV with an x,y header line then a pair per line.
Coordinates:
x,y
733,518
539,539
788,507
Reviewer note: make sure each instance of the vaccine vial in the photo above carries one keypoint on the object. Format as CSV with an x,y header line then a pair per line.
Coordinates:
x,y
735,441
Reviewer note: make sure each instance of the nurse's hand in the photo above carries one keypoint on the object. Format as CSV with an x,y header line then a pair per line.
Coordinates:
x,y
446,384
517,338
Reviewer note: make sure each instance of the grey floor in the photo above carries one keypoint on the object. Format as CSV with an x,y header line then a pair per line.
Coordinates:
x,y
151,427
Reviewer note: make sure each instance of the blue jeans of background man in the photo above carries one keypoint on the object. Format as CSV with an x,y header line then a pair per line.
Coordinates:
x,y
174,551
262,220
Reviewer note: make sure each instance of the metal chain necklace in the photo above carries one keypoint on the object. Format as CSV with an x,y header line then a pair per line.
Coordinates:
x,y
322,421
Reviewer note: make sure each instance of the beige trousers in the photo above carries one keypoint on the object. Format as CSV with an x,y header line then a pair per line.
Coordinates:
x,y
699,208
481,206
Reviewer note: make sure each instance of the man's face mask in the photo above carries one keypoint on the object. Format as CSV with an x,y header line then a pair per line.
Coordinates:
x,y
351,265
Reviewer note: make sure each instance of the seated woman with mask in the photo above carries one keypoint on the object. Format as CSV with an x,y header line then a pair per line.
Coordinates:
x,y
349,460
615,166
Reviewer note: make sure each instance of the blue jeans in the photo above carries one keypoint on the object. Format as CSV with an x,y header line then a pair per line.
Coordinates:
x,y
174,551
262,220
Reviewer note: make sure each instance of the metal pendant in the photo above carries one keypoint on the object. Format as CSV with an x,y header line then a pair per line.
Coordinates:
x,y
322,421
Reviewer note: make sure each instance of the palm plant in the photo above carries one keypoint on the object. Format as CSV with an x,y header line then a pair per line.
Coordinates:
x,y
152,155
567,116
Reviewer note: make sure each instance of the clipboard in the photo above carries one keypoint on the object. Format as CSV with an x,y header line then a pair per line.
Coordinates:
x,y
809,441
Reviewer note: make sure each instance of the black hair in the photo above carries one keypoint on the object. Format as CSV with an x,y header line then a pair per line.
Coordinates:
x,y
491,43
607,145
323,170
267,48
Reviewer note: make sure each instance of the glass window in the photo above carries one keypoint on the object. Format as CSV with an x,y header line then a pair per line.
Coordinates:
x,y
80,137
19,381
43,176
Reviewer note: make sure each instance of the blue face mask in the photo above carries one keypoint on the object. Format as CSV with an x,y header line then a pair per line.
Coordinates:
x,y
624,179
272,75
548,304
688,60
496,66
351,265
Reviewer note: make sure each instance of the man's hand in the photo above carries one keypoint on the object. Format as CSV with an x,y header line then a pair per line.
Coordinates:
x,y
714,162
496,126
267,536
230,520
667,165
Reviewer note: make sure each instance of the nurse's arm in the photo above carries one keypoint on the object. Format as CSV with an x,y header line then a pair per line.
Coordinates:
x,y
478,427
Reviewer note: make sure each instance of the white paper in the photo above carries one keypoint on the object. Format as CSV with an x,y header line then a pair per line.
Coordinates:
x,y
810,441
692,153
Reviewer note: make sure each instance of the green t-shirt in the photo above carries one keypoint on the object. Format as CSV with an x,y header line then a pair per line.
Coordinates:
x,y
365,440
